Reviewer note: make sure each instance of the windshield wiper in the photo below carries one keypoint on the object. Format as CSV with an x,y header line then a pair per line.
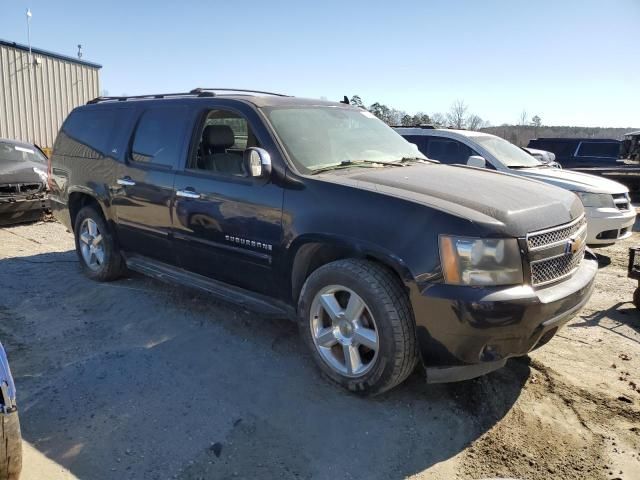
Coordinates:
x,y
405,160
349,164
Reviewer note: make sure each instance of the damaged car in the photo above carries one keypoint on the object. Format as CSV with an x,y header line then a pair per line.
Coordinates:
x,y
23,182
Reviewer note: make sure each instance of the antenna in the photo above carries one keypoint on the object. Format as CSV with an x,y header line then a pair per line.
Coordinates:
x,y
79,51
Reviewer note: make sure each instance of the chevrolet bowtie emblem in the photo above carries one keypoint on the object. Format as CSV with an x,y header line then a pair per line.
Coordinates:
x,y
573,245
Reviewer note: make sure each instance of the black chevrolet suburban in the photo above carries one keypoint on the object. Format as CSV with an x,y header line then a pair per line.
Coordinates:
x,y
320,212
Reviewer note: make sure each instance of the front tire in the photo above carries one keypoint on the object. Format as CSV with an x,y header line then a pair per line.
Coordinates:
x,y
96,247
356,319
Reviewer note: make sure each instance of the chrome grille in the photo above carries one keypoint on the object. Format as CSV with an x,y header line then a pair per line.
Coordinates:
x,y
554,235
556,268
554,253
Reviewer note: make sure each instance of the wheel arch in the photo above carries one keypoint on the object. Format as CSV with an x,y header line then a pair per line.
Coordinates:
x,y
80,198
309,253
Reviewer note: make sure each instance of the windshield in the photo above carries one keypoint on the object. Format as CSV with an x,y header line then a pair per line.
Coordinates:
x,y
316,137
507,153
10,152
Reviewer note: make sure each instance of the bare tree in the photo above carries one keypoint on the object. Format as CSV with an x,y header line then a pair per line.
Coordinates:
x,y
523,118
457,114
439,120
474,122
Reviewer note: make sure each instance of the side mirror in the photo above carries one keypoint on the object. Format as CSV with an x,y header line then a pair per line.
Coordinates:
x,y
257,162
477,161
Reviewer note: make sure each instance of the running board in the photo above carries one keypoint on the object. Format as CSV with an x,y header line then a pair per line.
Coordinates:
x,y
220,290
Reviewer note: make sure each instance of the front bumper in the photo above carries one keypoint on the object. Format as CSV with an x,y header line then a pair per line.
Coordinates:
x,y
608,225
464,332
22,209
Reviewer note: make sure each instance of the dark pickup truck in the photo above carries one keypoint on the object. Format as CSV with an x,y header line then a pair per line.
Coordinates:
x,y
320,212
593,155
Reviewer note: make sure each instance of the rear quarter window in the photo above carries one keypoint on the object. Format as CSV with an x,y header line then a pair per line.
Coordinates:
x,y
86,133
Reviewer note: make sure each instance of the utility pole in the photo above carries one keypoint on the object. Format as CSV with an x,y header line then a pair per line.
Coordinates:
x,y
33,120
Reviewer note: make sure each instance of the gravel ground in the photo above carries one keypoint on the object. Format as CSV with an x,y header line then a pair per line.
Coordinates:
x,y
140,380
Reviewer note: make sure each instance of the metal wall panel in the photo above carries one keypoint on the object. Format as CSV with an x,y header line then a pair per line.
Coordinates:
x,y
34,102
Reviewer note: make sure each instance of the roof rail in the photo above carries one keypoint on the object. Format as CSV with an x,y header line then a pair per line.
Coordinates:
x,y
150,96
200,90
197,92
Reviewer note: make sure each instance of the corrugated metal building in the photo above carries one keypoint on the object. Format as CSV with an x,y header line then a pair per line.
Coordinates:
x,y
35,101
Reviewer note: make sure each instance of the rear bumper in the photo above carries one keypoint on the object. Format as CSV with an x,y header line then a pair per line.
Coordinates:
x,y
465,332
608,225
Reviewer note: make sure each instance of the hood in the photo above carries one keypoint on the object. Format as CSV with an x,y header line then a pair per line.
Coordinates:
x,y
503,203
21,172
575,181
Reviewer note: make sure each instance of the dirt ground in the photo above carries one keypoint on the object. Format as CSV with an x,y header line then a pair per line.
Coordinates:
x,y
140,380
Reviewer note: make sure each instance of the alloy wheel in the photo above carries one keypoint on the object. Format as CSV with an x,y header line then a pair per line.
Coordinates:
x,y
344,331
91,244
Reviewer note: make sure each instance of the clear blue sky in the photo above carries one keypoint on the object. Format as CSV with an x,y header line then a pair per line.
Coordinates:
x,y
571,62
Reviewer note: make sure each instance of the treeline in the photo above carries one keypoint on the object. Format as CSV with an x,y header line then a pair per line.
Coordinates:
x,y
458,116
521,134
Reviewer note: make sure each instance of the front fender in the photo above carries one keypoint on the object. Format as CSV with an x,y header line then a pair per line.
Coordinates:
x,y
359,248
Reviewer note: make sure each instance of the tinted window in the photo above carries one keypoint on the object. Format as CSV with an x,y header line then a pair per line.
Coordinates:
x,y
159,136
87,133
448,151
599,149
419,141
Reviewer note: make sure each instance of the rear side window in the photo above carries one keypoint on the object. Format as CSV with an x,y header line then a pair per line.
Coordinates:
x,y
419,141
87,133
599,149
159,136
448,151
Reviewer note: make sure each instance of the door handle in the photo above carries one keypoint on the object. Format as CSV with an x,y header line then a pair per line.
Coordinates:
x,y
187,194
126,182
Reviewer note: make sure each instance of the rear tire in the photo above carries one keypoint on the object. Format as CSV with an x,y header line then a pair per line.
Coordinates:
x,y
369,351
96,247
10,447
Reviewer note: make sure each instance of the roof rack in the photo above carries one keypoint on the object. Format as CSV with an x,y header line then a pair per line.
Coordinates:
x,y
196,92
200,90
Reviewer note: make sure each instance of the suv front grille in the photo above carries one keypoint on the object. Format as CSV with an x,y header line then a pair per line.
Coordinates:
x,y
556,252
538,240
622,201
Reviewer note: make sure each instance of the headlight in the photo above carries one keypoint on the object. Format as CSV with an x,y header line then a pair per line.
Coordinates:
x,y
597,200
41,173
476,261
